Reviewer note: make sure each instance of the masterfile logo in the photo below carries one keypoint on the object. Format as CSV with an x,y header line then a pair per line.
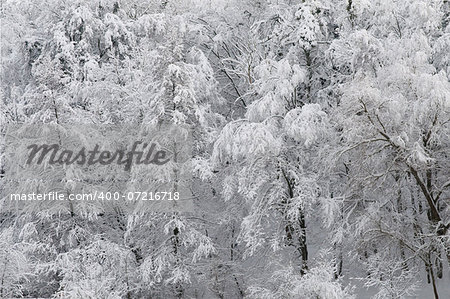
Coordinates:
x,y
121,160
88,146
92,157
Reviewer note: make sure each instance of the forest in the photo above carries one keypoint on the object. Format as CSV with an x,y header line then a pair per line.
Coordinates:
x,y
313,139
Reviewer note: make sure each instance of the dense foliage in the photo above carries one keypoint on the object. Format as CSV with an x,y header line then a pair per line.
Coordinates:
x,y
320,164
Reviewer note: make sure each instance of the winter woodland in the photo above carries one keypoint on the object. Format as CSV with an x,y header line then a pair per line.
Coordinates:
x,y
320,159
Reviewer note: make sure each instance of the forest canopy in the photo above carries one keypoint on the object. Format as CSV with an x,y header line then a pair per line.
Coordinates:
x,y
318,162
